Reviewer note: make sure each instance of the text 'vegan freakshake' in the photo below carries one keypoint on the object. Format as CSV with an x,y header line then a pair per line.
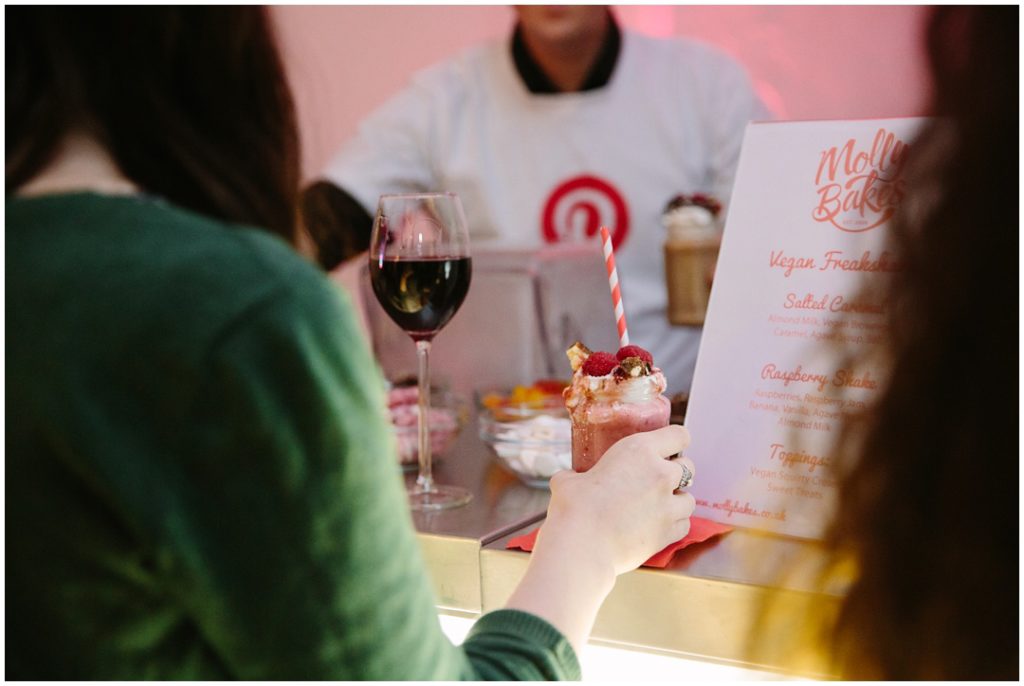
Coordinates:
x,y
610,397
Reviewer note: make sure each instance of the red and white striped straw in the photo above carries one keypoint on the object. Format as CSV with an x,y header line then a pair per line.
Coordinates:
x,y
613,284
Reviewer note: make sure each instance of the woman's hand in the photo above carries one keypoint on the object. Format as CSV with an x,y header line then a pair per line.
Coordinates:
x,y
625,507
602,523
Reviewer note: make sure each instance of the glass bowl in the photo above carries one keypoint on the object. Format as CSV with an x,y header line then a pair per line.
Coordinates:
x,y
448,414
533,440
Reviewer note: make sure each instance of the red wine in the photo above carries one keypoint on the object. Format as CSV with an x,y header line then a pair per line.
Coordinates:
x,y
421,294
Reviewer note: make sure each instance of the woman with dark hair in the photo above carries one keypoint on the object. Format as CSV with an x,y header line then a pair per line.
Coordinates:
x,y
164,92
935,587
197,482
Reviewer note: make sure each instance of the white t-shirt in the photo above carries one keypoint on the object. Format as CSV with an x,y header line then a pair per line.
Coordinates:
x,y
544,168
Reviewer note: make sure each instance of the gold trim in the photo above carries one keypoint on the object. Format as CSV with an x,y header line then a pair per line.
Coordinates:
x,y
673,612
454,565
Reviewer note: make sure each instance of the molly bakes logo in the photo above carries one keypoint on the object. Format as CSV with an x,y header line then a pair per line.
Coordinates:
x,y
860,188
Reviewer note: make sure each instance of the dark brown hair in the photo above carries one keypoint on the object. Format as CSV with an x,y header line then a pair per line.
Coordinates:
x,y
928,496
191,103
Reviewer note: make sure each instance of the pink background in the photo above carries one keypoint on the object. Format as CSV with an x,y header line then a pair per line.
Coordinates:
x,y
807,62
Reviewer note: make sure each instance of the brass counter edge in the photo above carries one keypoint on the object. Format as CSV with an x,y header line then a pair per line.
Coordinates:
x,y
454,566
672,614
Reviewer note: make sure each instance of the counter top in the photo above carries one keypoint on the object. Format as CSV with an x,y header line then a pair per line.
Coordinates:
x,y
700,606
452,539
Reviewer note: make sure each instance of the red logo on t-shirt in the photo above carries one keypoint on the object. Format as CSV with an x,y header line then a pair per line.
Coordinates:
x,y
578,208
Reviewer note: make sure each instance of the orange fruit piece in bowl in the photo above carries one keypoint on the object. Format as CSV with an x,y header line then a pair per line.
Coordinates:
x,y
550,386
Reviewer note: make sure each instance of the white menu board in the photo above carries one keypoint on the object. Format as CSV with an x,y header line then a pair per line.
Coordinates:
x,y
806,226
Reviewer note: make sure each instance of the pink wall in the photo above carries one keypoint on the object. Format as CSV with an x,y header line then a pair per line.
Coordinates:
x,y
830,62
808,62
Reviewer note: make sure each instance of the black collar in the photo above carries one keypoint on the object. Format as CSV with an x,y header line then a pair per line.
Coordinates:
x,y
536,81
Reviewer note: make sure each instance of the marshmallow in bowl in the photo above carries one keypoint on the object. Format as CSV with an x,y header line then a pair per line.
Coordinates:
x,y
526,445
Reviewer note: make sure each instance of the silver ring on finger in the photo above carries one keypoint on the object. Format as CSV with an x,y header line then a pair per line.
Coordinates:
x,y
686,478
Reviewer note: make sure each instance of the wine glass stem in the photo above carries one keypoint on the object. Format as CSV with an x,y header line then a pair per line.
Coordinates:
x,y
425,480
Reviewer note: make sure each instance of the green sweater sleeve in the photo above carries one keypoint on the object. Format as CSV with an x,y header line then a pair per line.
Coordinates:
x,y
292,547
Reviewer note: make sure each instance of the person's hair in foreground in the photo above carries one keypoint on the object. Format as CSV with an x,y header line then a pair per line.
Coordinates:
x,y
191,103
928,498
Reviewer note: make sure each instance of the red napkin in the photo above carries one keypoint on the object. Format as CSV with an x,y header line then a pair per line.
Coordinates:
x,y
700,531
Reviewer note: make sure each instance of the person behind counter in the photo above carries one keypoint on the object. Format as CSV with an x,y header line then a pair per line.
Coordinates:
x,y
928,479
197,475
569,124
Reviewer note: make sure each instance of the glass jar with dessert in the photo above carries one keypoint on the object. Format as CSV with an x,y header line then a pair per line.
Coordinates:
x,y
611,397
691,251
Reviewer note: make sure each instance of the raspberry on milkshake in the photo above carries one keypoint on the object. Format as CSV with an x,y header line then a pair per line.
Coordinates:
x,y
610,397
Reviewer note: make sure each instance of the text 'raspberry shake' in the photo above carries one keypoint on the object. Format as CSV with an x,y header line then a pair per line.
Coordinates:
x,y
610,397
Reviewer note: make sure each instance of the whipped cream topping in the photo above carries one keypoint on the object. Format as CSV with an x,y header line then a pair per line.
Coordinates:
x,y
690,222
612,388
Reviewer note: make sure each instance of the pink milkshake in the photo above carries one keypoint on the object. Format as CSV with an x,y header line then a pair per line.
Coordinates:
x,y
610,397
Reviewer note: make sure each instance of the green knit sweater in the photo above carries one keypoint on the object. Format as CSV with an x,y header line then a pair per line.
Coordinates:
x,y
200,477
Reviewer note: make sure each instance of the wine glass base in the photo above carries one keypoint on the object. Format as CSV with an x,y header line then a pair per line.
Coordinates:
x,y
438,498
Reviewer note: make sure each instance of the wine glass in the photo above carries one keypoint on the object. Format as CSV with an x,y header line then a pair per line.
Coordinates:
x,y
420,270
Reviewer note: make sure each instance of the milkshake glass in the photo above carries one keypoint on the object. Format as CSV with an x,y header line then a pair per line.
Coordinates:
x,y
691,250
606,408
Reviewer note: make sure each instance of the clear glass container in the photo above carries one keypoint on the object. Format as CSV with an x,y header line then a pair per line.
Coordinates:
x,y
689,270
610,408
